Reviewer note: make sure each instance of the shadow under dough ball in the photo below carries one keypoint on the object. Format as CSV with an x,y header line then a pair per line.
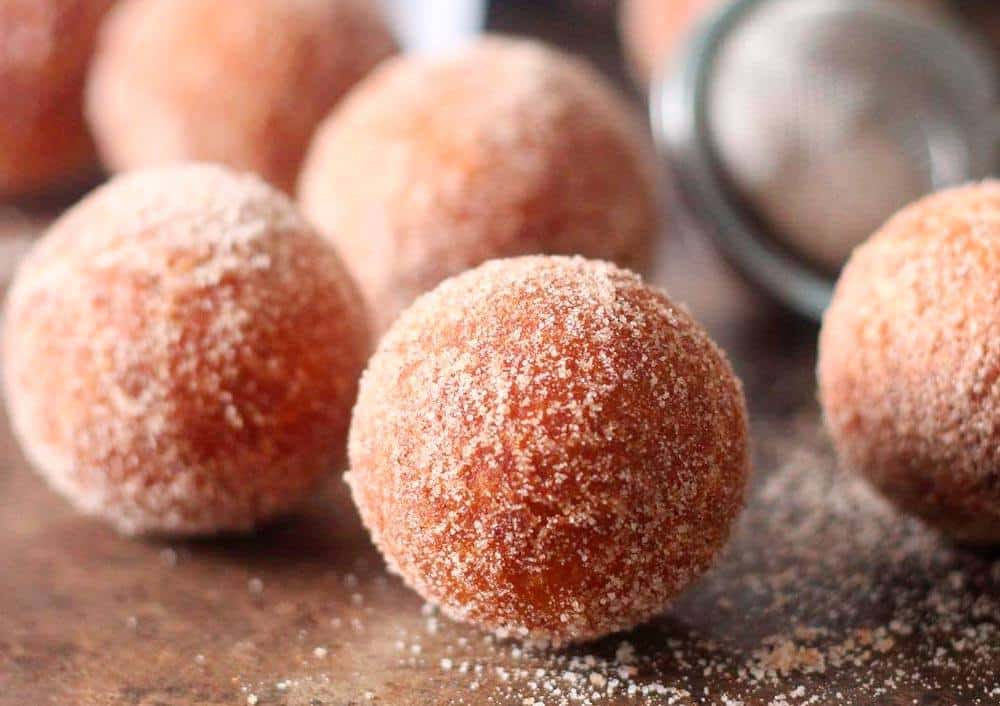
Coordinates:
x,y
181,353
909,364
435,165
239,82
45,46
548,448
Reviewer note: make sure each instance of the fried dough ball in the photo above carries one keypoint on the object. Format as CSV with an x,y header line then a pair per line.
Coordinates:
x,y
909,367
652,29
240,82
435,165
548,448
182,352
45,46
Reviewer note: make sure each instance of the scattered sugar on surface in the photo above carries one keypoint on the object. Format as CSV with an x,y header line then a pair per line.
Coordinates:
x,y
826,595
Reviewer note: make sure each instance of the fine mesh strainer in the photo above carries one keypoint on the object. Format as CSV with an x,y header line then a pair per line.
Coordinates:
x,y
796,127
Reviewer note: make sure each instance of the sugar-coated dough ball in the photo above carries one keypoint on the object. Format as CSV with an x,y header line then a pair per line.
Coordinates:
x,y
45,46
240,82
549,448
652,29
909,367
182,352
435,165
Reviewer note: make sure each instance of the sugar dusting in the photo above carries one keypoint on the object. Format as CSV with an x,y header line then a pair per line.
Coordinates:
x,y
548,447
504,148
182,352
825,595
247,85
910,361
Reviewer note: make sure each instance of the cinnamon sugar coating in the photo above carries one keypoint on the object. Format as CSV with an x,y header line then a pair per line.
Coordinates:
x,y
909,367
435,165
548,448
182,352
45,46
240,82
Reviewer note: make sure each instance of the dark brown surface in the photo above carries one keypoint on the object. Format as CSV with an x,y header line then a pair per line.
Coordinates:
x,y
88,618
825,595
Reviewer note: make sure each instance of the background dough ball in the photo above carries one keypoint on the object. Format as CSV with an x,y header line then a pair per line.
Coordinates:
x,y
182,352
652,29
435,165
240,82
45,46
909,368
548,447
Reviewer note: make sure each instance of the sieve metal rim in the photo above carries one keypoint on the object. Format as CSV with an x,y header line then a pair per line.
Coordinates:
x,y
678,106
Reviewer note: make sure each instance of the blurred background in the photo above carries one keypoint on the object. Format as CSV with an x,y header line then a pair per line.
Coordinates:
x,y
789,129
792,129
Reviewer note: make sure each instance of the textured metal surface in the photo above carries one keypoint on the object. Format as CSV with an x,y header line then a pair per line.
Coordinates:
x,y
796,127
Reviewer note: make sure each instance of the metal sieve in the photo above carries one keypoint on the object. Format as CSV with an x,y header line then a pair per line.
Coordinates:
x,y
794,128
